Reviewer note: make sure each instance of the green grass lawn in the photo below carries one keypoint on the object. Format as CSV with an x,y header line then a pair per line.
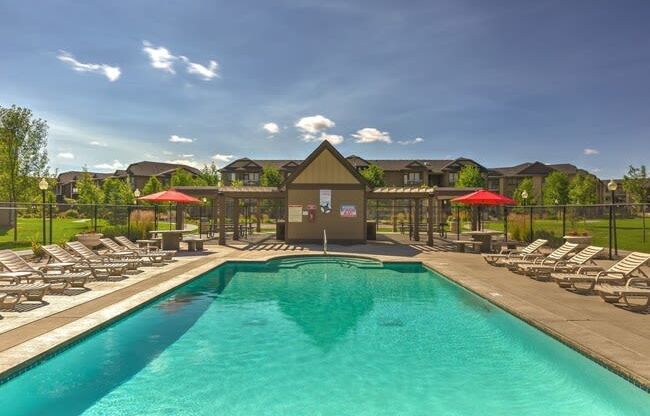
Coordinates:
x,y
31,229
629,231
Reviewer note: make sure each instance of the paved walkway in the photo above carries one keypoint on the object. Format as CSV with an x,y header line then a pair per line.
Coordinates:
x,y
611,335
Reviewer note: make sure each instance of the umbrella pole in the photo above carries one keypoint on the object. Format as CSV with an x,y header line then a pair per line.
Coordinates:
x,y
169,213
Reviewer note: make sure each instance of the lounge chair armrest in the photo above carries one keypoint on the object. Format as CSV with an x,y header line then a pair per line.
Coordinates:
x,y
585,269
643,282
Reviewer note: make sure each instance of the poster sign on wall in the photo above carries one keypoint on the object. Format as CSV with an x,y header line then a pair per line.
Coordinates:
x,y
325,201
311,212
348,211
295,213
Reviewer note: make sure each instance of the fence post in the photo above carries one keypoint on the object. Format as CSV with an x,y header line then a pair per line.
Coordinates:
x,y
615,236
14,214
458,222
505,223
155,217
128,221
643,222
610,230
563,220
531,223
95,217
51,215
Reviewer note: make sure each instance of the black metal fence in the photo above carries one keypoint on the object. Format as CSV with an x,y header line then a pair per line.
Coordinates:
x,y
23,225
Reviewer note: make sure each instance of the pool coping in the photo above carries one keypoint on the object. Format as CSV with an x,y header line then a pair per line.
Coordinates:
x,y
22,357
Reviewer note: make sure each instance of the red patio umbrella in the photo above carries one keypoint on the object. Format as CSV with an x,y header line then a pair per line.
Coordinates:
x,y
170,196
484,197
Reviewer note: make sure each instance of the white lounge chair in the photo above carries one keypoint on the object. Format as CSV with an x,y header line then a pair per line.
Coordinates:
x,y
167,254
586,278
98,270
119,252
634,290
496,259
543,271
556,255
94,258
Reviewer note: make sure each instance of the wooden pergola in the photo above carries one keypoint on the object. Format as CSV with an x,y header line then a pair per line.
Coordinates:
x,y
220,193
433,195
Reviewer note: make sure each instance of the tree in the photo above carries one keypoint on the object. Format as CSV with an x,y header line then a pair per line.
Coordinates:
x,y
210,174
525,185
152,186
181,177
87,190
583,189
374,175
470,177
117,192
556,188
636,183
271,176
23,153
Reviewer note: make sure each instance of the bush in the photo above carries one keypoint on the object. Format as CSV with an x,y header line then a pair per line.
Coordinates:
x,y
553,240
71,213
37,249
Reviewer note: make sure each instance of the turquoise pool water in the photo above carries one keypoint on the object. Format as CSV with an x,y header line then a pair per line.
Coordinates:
x,y
320,336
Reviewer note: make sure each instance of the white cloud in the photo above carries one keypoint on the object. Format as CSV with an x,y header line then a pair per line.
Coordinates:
x,y
314,124
160,57
111,72
414,141
271,128
222,158
187,156
332,138
371,135
178,139
115,165
591,152
97,143
65,155
206,73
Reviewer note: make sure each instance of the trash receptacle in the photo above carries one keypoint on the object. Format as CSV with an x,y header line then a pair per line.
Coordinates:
x,y
280,228
371,230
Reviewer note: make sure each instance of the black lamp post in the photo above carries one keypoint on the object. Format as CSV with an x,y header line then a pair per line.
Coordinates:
x,y
43,185
524,197
612,218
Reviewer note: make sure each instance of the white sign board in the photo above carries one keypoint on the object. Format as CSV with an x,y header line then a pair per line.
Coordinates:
x,y
325,201
348,211
295,213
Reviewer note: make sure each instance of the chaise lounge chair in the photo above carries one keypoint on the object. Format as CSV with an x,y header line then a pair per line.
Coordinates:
x,y
167,254
58,277
94,258
496,259
8,301
33,292
119,253
536,258
98,270
586,278
635,288
543,271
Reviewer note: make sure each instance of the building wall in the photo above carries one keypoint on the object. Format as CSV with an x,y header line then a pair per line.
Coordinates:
x,y
344,230
325,169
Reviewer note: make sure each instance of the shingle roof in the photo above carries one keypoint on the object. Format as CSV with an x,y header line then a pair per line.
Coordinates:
x,y
147,168
74,175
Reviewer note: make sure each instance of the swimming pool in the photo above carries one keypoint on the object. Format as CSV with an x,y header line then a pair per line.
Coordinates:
x,y
320,336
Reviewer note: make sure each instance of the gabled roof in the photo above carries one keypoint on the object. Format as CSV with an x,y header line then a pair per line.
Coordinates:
x,y
75,175
357,161
325,145
147,168
246,164
458,163
534,168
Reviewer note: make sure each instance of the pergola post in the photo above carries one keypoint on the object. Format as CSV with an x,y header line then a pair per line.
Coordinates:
x,y
430,221
416,228
258,214
235,219
221,203
394,217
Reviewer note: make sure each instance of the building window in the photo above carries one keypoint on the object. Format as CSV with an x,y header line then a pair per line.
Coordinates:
x,y
493,184
453,178
252,178
412,178
233,177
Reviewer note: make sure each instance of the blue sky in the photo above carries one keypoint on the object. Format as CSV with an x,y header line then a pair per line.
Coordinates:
x,y
502,82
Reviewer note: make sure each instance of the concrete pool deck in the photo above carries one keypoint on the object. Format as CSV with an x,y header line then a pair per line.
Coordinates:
x,y
614,337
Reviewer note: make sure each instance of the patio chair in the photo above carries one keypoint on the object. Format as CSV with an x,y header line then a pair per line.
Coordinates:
x,y
98,270
556,255
496,259
167,254
119,252
58,277
584,282
543,271
635,288
8,301
92,257
33,292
